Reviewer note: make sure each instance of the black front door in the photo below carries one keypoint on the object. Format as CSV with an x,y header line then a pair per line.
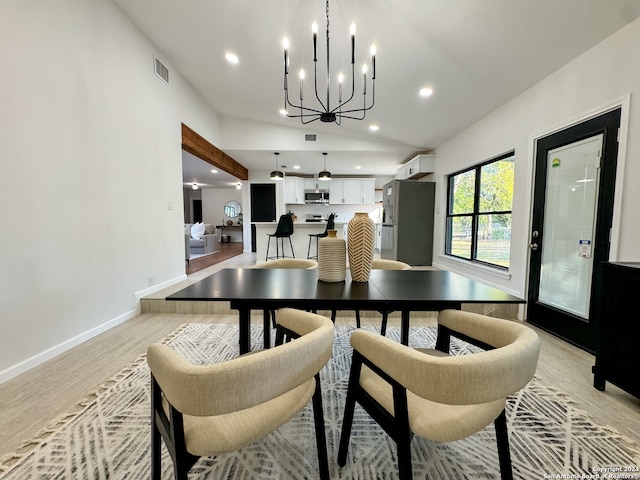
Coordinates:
x,y
572,215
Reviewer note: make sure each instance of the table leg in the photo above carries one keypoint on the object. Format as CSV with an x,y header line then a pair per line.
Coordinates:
x,y
266,334
244,327
404,327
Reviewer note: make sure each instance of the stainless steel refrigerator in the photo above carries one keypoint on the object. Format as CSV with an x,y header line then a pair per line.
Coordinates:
x,y
407,221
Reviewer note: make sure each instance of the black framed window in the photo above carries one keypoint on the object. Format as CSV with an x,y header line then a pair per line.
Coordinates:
x,y
479,202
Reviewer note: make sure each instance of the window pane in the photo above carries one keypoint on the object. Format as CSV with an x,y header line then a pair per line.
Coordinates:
x,y
462,188
461,237
494,239
496,186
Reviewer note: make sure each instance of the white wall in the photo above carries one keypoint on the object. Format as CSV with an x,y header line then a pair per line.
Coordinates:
x,y
91,163
213,201
598,79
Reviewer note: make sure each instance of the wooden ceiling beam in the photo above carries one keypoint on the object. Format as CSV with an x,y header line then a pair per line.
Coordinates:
x,y
200,147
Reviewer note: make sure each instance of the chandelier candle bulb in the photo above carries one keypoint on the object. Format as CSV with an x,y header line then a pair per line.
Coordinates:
x,y
314,29
352,31
373,62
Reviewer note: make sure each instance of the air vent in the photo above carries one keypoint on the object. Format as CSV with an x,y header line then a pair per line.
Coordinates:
x,y
310,137
162,71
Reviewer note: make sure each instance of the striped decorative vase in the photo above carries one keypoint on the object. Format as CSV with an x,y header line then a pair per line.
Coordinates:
x,y
360,244
332,258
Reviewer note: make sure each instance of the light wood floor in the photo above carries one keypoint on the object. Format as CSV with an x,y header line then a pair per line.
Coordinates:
x,y
33,400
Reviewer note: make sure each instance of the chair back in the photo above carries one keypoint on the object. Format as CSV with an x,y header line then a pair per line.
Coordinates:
x,y
331,224
285,226
248,380
463,379
382,264
287,263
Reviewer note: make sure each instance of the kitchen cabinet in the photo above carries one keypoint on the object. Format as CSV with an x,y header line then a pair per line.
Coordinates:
x,y
294,190
314,184
417,167
352,191
617,354
336,192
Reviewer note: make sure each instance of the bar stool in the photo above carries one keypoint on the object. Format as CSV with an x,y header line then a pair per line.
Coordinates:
x,y
330,226
283,230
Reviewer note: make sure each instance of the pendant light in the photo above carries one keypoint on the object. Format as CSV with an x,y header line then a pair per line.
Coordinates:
x,y
324,174
277,174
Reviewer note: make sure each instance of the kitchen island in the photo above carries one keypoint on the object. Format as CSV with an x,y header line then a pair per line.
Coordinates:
x,y
299,239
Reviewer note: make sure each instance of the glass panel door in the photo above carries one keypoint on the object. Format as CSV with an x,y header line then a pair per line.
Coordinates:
x,y
569,226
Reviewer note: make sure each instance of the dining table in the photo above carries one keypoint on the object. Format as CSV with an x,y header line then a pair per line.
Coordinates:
x,y
403,291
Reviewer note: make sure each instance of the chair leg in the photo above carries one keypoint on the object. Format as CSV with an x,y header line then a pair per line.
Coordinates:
x,y
156,444
291,244
333,316
321,437
504,455
266,257
273,318
349,407
403,435
383,325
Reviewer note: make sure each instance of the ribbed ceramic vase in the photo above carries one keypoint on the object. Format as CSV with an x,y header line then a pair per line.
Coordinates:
x,y
332,258
360,244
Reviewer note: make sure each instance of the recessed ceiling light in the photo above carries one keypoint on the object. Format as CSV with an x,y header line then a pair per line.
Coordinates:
x,y
374,128
296,167
283,112
214,171
426,92
358,167
231,58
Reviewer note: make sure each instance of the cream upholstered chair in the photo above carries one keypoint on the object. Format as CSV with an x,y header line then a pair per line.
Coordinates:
x,y
380,264
436,396
270,315
287,263
213,409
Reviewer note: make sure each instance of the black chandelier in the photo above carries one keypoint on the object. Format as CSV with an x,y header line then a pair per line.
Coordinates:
x,y
324,112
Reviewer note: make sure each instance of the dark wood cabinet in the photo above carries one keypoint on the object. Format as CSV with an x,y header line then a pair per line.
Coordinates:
x,y
618,350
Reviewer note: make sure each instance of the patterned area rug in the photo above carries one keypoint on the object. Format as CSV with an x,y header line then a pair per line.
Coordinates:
x,y
109,439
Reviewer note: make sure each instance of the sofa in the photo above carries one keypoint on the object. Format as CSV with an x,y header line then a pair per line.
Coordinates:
x,y
203,238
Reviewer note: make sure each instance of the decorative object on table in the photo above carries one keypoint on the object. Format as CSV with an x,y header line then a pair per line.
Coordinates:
x,y
332,258
360,235
229,223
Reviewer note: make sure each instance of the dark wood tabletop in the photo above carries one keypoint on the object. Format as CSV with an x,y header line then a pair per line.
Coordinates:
x,y
392,290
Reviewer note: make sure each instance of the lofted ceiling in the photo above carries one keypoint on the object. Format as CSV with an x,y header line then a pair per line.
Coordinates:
x,y
475,54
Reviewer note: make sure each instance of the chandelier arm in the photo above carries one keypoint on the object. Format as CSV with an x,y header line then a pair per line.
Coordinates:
x,y
315,83
301,107
353,89
364,108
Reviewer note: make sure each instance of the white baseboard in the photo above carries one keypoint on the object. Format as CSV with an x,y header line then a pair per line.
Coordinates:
x,y
153,289
38,359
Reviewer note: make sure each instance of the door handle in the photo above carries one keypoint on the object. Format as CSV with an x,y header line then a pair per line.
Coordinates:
x,y
533,246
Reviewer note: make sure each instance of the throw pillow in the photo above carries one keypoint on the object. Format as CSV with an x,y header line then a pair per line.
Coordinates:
x,y
197,231
209,229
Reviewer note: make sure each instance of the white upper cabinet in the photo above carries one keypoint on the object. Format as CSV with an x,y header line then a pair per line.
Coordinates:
x,y
352,191
294,190
417,167
336,191
313,184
